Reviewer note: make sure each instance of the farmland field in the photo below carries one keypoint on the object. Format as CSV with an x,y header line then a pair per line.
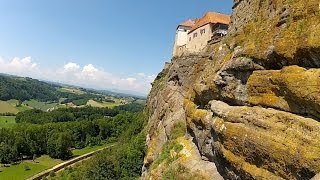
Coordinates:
x,y
71,90
13,102
7,121
104,104
40,105
23,108
94,103
17,172
111,105
7,107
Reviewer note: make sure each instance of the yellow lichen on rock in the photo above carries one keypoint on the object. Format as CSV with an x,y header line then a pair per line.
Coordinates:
x,y
282,89
254,171
295,27
271,140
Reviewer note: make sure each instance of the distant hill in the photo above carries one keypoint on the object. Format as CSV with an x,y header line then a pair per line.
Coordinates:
x,y
25,89
110,92
21,88
121,93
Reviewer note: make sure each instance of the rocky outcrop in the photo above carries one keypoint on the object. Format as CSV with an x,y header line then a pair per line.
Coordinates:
x,y
245,108
293,89
257,142
166,109
277,33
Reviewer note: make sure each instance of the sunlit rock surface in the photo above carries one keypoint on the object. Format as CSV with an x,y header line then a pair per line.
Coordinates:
x,y
245,108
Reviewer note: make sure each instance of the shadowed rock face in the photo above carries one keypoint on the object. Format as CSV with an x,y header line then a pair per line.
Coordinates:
x,y
249,106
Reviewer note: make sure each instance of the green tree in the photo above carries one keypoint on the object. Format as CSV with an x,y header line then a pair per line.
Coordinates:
x,y
7,154
59,145
22,145
105,166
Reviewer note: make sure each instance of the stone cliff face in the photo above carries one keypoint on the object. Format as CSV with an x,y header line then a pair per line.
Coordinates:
x,y
246,108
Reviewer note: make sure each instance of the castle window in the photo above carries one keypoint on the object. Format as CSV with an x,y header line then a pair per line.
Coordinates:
x,y
202,31
189,38
195,35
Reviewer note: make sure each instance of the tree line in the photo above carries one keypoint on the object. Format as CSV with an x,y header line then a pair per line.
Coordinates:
x,y
89,113
25,89
57,139
78,99
122,161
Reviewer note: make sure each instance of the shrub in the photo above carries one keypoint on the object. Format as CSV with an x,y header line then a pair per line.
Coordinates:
x,y
52,174
93,141
177,148
27,168
80,145
165,153
178,130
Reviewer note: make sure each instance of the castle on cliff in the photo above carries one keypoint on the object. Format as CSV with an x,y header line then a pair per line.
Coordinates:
x,y
193,35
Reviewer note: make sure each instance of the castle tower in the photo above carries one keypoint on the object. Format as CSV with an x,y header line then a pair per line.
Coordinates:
x,y
181,38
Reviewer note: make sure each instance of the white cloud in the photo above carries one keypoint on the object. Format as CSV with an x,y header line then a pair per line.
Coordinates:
x,y
22,64
75,74
131,80
89,69
18,66
141,74
69,67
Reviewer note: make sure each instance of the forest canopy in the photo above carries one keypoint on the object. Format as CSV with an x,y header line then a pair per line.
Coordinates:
x,y
26,89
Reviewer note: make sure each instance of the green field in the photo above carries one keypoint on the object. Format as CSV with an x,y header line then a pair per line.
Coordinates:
x,y
104,104
13,102
44,106
94,103
79,152
7,121
18,172
71,90
10,107
7,107
24,108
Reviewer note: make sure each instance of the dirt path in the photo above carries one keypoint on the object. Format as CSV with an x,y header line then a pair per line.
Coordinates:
x,y
66,164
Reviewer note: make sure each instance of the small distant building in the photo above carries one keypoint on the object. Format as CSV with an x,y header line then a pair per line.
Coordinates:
x,y
193,36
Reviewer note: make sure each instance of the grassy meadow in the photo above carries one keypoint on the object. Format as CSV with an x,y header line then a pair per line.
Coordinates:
x,y
7,121
10,107
44,106
80,152
71,90
18,172
117,102
94,103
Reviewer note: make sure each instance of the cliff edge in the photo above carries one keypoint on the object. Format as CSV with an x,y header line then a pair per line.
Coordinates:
x,y
245,108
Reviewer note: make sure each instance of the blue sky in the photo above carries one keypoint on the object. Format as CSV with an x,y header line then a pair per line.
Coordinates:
x,y
123,39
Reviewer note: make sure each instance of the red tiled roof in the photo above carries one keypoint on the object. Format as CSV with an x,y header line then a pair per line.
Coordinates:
x,y
211,17
189,23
